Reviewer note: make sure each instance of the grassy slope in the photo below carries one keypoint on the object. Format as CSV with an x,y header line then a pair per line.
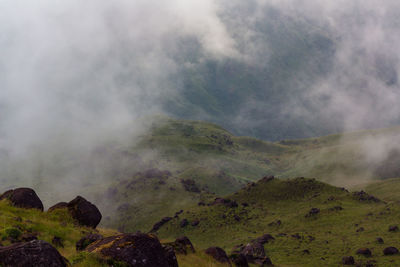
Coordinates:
x,y
221,163
289,201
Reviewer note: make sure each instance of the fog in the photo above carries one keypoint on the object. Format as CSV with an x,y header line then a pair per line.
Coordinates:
x,y
76,75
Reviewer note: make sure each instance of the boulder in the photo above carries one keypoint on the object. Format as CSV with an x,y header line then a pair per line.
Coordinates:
x,y
84,212
184,223
348,260
253,251
239,260
87,240
312,212
218,254
159,224
33,253
226,202
59,205
57,241
364,251
393,228
390,251
379,240
143,250
23,198
264,239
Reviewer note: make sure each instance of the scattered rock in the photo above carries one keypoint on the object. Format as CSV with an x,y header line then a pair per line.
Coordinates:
x,y
393,228
159,224
236,217
363,196
379,240
184,223
244,204
190,185
195,223
312,212
136,250
23,198
59,205
201,203
336,208
348,260
84,212
296,236
182,245
390,251
226,202
218,254
26,237
361,229
364,251
306,251
57,241
253,251
87,240
33,253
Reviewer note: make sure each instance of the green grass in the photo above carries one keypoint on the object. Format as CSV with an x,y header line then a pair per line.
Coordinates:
x,y
334,232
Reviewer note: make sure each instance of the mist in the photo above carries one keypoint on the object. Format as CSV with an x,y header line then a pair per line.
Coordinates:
x,y
77,76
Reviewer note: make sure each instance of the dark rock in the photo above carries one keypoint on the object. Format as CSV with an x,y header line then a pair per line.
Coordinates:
x,y
312,212
306,251
364,251
84,212
87,240
361,229
236,217
136,250
23,198
265,239
33,253
253,251
218,254
57,241
184,223
275,223
239,260
182,245
159,224
226,202
195,223
190,185
263,262
393,228
363,196
336,208
390,251
201,203
379,240
296,236
348,260
59,205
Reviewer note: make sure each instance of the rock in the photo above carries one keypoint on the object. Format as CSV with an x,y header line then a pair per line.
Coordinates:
x,y
306,251
159,224
218,254
182,245
390,251
263,262
23,198
57,241
379,240
265,239
239,260
253,251
312,212
195,223
363,196
361,229
226,202
59,205
87,240
143,250
364,251
26,237
348,260
33,253
84,212
275,223
393,228
184,223
190,185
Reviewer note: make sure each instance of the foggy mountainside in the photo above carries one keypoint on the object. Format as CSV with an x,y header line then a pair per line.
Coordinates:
x,y
199,133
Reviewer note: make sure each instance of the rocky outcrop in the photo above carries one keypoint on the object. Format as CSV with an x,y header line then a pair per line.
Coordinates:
x,y
33,253
23,198
138,249
226,202
390,251
84,212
